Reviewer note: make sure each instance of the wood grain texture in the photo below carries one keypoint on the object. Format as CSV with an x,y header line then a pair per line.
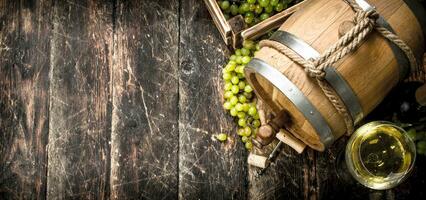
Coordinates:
x,y
287,178
120,99
80,100
207,169
144,142
24,99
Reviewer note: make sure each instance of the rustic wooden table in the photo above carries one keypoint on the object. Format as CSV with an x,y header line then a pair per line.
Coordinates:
x,y
118,99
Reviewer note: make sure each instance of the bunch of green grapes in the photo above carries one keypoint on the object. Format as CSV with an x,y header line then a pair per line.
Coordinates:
x,y
419,137
253,11
239,97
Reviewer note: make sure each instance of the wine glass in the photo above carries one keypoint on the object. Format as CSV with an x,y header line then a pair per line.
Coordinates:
x,y
380,155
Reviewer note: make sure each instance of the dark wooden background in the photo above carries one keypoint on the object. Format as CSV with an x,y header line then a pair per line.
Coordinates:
x,y
119,99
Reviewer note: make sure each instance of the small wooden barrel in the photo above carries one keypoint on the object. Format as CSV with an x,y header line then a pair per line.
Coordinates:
x,y
363,77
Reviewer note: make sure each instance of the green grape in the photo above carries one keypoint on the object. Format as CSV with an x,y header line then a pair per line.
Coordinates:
x,y
235,89
226,76
249,17
228,86
264,16
248,44
245,52
238,52
274,2
249,14
246,107
257,47
241,85
239,60
242,122
248,89
222,137
233,58
247,131
252,110
234,9
280,7
239,107
241,131
258,10
232,62
226,69
263,3
234,100
227,105
225,5
269,9
230,67
238,69
244,139
242,99
245,7
251,1
256,116
256,123
246,59
248,20
233,112
240,76
242,69
252,7
235,80
241,115
248,145
228,94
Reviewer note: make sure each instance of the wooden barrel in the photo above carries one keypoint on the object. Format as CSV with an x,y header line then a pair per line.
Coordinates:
x,y
364,77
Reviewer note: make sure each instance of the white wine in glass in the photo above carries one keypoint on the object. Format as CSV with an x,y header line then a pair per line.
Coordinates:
x,y
380,155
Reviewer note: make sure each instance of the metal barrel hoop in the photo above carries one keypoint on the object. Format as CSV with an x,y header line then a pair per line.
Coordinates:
x,y
293,93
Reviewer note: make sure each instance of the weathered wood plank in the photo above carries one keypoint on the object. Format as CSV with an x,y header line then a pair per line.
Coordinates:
x,y
289,177
24,100
207,168
80,100
145,96
333,181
